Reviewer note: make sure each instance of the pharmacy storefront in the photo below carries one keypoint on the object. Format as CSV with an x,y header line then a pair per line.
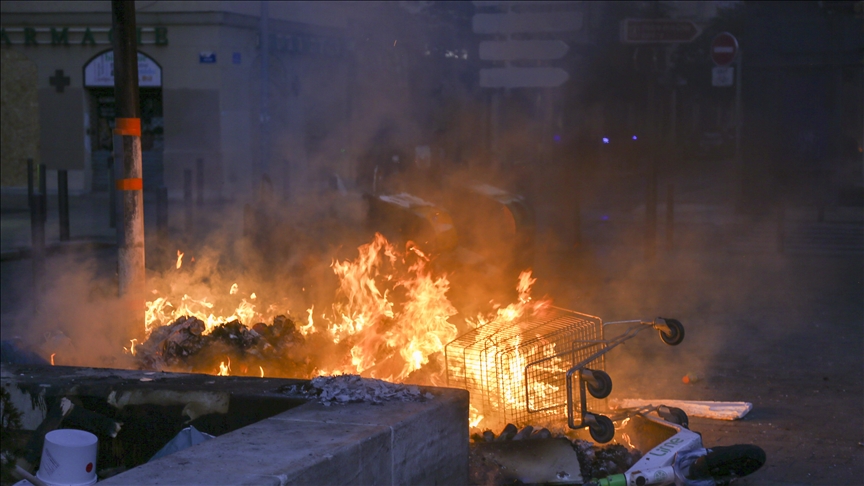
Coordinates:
x,y
58,95
200,83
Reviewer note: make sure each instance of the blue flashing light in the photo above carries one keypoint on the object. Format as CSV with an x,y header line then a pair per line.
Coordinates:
x,y
605,140
635,138
556,137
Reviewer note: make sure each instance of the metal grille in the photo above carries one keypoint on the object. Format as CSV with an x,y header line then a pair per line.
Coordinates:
x,y
515,371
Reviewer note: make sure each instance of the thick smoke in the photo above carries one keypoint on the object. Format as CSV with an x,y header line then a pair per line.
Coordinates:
x,y
280,239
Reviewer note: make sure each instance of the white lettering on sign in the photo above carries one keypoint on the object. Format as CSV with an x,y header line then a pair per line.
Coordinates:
x,y
723,76
99,72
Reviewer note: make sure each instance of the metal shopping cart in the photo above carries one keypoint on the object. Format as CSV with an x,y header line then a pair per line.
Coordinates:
x,y
539,367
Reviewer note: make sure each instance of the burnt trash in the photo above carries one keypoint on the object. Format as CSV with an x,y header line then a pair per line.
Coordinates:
x,y
538,455
185,345
343,389
605,461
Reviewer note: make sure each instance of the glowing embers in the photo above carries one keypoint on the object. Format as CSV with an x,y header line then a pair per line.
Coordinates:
x,y
515,368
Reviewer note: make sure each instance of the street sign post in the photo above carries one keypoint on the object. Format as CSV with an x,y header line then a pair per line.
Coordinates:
x,y
508,50
522,50
724,48
658,31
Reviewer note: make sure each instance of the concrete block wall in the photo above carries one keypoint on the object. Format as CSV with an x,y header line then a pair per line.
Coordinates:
x,y
414,443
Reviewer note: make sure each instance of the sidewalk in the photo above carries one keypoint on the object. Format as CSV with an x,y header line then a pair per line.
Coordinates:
x,y
88,223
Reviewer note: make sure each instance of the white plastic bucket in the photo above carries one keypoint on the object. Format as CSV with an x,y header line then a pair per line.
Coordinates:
x,y
68,458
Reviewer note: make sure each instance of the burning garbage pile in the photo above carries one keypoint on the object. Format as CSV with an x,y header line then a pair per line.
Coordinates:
x,y
389,321
525,363
184,345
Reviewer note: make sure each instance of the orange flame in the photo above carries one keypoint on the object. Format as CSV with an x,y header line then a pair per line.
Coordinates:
x,y
390,320
626,436
223,368
52,358
510,363
179,258
387,344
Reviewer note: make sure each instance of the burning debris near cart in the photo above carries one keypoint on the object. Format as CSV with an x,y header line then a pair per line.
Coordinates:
x,y
527,363
535,372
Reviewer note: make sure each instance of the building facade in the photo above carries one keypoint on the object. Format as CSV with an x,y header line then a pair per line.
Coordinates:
x,y
202,88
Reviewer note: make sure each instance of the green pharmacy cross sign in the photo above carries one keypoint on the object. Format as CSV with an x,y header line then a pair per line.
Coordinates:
x,y
59,80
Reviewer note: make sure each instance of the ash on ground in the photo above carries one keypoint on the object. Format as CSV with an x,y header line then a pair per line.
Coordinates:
x,y
343,389
594,461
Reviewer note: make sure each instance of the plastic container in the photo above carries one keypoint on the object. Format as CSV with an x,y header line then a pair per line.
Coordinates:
x,y
68,458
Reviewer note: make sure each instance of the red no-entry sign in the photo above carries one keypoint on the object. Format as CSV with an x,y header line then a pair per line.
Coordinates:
x,y
724,47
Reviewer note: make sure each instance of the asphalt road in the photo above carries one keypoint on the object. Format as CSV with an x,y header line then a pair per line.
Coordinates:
x,y
782,331
785,333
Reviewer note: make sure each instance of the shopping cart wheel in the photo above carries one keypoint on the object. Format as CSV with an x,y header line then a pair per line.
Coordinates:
x,y
674,415
676,332
601,384
602,429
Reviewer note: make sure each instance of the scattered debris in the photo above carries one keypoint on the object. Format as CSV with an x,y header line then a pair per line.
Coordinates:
x,y
604,461
693,408
515,455
539,461
343,389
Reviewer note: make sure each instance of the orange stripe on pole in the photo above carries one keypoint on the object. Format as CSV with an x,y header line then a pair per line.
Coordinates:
x,y
128,126
135,184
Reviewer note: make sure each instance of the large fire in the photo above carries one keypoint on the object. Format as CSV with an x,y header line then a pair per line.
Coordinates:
x,y
390,319
390,311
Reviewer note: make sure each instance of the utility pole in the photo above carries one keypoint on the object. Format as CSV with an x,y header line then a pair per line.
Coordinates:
x,y
739,122
264,164
128,128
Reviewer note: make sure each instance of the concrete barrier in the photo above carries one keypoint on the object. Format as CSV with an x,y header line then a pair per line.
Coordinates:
x,y
359,443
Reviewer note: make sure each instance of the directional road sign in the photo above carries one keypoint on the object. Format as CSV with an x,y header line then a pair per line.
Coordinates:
x,y
517,77
658,31
724,48
522,49
512,23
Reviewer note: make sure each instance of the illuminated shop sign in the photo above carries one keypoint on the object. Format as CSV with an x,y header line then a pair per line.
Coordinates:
x,y
99,72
